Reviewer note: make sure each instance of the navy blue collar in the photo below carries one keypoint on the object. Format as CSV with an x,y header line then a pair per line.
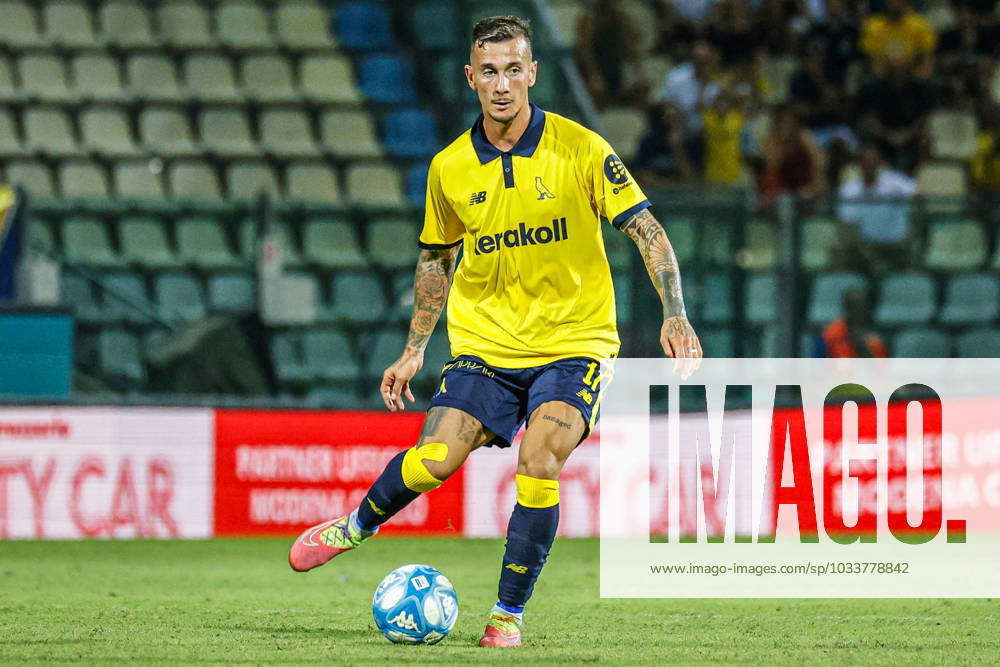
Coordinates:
x,y
525,146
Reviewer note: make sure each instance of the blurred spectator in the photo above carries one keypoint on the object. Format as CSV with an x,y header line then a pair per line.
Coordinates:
x,y
839,33
691,86
965,57
852,334
899,34
820,99
693,12
985,165
663,158
892,111
730,28
723,132
876,207
793,161
608,56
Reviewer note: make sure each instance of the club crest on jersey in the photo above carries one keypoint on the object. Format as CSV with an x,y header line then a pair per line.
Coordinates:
x,y
523,235
543,192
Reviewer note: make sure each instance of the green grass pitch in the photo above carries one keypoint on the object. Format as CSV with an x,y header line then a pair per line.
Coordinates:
x,y
236,601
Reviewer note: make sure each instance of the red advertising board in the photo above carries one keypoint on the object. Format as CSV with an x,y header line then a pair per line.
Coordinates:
x,y
279,472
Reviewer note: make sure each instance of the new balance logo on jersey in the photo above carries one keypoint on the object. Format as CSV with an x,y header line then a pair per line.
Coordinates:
x,y
404,620
522,236
585,395
520,569
477,197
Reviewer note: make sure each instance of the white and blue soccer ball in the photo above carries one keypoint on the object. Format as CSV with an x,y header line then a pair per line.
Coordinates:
x,y
415,604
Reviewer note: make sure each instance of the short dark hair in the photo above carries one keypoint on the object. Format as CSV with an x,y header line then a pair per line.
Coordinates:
x,y
500,29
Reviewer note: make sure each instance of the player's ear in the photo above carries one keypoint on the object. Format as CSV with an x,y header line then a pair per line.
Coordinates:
x,y
469,77
532,73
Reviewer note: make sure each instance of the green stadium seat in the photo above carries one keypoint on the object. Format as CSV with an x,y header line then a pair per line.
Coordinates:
x,y
33,176
906,298
760,246
622,126
86,241
125,298
819,237
619,248
96,77
10,142
19,27
248,180
826,301
185,24
435,25
179,297
242,25
446,73
718,343
623,297
166,132
126,24
69,24
210,78
717,299
144,242
392,243
226,133
761,299
105,131
350,134
202,242
194,181
716,242
288,357
268,79
680,231
386,347
232,293
312,185
971,299
49,131
119,357
328,79
377,186
331,356
136,182
953,134
38,236
43,77
357,298
80,179
921,342
9,91
291,256
152,78
77,294
286,133
331,244
979,343
955,245
944,186
437,354
303,26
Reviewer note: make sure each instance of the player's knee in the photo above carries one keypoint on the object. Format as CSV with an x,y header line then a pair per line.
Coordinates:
x,y
537,492
425,466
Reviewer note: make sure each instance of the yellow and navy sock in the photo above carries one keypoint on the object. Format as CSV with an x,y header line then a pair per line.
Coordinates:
x,y
404,478
530,533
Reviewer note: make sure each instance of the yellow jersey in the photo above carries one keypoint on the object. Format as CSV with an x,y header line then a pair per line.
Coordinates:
x,y
533,285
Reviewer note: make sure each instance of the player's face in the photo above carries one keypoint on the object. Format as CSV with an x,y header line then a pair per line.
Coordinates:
x,y
501,73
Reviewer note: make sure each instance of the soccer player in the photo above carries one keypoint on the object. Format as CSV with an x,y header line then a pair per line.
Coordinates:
x,y
531,311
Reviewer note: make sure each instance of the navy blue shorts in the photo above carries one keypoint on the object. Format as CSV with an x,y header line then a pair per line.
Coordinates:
x,y
503,398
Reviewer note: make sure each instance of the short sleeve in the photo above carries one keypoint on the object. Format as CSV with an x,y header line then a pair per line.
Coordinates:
x,y
442,227
614,192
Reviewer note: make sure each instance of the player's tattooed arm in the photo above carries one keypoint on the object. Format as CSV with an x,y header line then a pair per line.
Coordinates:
x,y
435,269
677,335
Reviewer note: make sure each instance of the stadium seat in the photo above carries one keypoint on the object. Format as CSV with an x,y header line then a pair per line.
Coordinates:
x,y
166,132
226,132
77,294
777,73
185,25
331,244
79,179
435,25
248,180
411,134
971,299
125,298
401,298
303,25
657,68
622,283
979,343
242,25
119,357
179,297
761,299
566,14
760,246
312,183
955,245
386,347
69,24
356,298
10,142
126,23
619,248
39,236
232,293
96,77
19,27
387,79
680,231
268,79
716,243
135,181
194,180
86,241
906,298
43,77
105,131
623,127
717,300
153,78
144,243
446,74
34,177
210,78
953,134
374,185
9,90
288,357
202,242
944,185
392,243
819,237
416,184
718,343
286,133
826,301
437,354
330,356
349,134
328,79
363,25
922,342
291,256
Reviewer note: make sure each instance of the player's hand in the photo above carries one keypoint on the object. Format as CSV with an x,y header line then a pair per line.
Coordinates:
x,y
396,381
681,344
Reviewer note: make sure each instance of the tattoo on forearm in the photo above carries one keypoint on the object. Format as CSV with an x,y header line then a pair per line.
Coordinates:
x,y
557,421
435,269
661,263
